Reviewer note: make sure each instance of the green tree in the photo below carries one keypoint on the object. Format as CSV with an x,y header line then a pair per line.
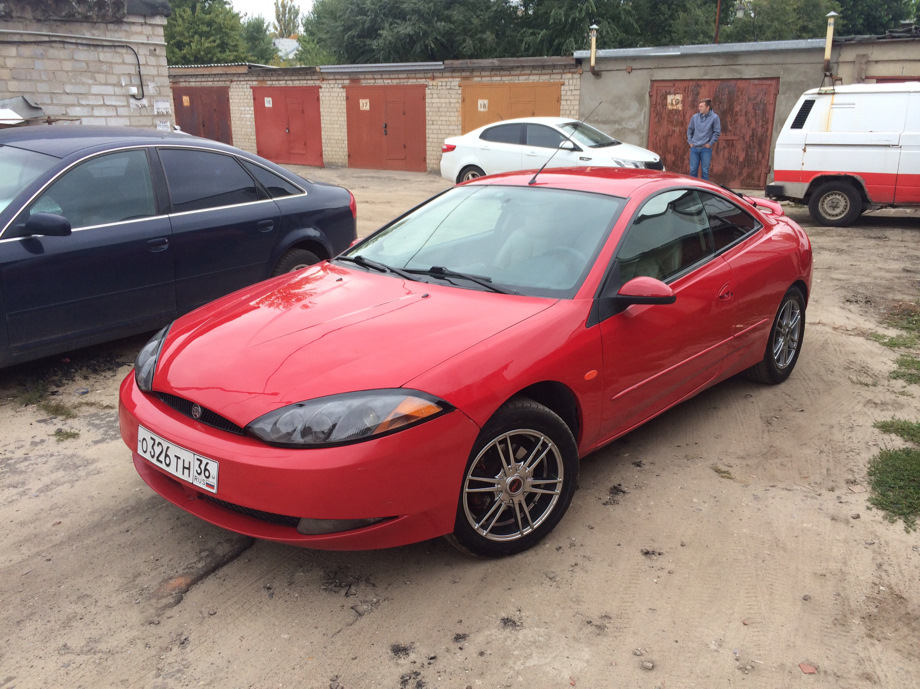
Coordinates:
x,y
374,31
309,53
258,42
203,32
287,18
560,27
779,20
873,17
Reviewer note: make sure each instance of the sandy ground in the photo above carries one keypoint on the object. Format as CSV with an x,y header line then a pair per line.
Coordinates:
x,y
665,572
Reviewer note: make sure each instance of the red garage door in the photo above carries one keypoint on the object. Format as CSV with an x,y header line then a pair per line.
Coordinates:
x,y
288,128
386,127
745,108
204,111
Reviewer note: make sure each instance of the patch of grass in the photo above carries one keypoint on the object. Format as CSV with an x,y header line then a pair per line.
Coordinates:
x,y
895,479
894,475
905,317
32,392
722,472
895,341
61,435
907,430
55,408
908,369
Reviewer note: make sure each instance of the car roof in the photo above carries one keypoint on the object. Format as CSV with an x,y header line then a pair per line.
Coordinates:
x,y
61,141
553,121
616,181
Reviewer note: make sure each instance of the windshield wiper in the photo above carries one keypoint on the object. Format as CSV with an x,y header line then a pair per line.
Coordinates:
x,y
375,265
482,280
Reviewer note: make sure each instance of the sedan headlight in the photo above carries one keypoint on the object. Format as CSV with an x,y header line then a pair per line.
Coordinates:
x,y
346,418
145,365
622,162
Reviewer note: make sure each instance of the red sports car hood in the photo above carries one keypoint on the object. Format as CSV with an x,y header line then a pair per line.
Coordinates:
x,y
323,331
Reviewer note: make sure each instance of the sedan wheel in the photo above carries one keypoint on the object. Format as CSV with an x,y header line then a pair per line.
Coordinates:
x,y
785,342
518,482
468,173
295,259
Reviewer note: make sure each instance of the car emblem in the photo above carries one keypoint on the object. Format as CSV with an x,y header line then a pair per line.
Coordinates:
x,y
196,411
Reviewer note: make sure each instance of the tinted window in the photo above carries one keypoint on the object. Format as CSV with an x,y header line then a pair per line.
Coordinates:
x,y
668,235
106,189
727,222
504,133
275,184
201,179
538,135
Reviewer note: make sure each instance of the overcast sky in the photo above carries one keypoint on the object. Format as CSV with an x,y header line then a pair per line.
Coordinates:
x,y
266,8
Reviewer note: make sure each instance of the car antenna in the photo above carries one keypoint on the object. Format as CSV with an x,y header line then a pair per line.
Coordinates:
x,y
533,180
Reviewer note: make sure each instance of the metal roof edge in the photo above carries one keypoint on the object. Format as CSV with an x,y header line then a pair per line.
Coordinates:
x,y
707,48
383,67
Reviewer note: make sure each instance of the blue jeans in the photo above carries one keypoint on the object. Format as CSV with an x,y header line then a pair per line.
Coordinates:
x,y
700,155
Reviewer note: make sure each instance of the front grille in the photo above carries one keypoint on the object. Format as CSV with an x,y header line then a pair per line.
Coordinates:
x,y
659,165
208,417
271,518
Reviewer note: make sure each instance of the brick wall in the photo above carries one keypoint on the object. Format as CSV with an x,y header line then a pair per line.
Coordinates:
x,y
442,97
84,72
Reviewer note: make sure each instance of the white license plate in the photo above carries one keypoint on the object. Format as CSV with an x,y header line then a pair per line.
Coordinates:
x,y
181,463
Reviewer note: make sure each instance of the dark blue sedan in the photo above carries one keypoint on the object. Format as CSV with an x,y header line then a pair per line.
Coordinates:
x,y
107,232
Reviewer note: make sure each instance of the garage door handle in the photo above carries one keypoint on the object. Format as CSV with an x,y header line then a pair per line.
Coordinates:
x,y
266,225
156,245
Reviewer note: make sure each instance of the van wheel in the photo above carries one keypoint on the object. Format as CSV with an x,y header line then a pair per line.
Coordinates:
x,y
835,203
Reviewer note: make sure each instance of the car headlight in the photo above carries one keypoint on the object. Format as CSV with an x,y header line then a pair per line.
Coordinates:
x,y
346,418
622,162
145,365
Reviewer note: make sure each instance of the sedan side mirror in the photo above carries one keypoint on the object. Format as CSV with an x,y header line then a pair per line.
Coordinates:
x,y
645,290
568,146
45,224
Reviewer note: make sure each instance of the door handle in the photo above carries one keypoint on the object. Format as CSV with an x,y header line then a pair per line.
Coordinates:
x,y
156,245
266,225
726,292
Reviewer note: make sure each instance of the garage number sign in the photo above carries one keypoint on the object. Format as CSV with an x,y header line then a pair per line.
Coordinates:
x,y
483,105
364,103
675,101
268,102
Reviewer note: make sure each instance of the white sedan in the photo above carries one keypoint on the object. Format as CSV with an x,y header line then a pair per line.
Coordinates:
x,y
529,142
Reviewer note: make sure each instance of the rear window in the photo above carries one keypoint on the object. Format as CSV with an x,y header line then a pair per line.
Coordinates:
x,y
504,133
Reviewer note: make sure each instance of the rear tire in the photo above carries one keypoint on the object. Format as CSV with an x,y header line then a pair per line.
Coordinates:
x,y
518,482
295,259
784,343
469,172
836,204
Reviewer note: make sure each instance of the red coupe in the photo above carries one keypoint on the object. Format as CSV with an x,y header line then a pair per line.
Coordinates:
x,y
445,375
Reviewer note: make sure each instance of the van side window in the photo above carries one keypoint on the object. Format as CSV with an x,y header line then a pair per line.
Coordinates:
x,y
802,114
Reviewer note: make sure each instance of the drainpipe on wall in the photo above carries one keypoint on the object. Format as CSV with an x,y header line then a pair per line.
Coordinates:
x,y
594,28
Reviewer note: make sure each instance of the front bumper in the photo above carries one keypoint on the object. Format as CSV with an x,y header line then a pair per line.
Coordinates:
x,y
410,479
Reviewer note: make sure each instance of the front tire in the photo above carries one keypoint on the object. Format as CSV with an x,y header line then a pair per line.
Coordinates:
x,y
518,482
470,172
785,342
836,204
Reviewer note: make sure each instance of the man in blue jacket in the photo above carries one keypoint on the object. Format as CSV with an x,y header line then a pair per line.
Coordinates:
x,y
702,134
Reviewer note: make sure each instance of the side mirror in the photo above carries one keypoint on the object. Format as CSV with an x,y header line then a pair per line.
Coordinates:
x,y
644,290
44,224
568,146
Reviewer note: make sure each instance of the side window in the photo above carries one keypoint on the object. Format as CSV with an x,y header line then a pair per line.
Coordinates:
x,y
504,134
106,189
669,234
275,184
544,137
200,179
727,221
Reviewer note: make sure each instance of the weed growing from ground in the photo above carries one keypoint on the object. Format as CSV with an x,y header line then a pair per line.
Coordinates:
x,y
895,474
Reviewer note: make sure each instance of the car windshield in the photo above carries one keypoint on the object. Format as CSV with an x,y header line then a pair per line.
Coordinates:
x,y
18,169
521,240
587,136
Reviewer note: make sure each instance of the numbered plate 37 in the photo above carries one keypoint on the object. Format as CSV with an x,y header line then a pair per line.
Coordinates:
x,y
184,464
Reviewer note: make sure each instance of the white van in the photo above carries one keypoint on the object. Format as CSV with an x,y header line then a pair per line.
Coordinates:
x,y
847,149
